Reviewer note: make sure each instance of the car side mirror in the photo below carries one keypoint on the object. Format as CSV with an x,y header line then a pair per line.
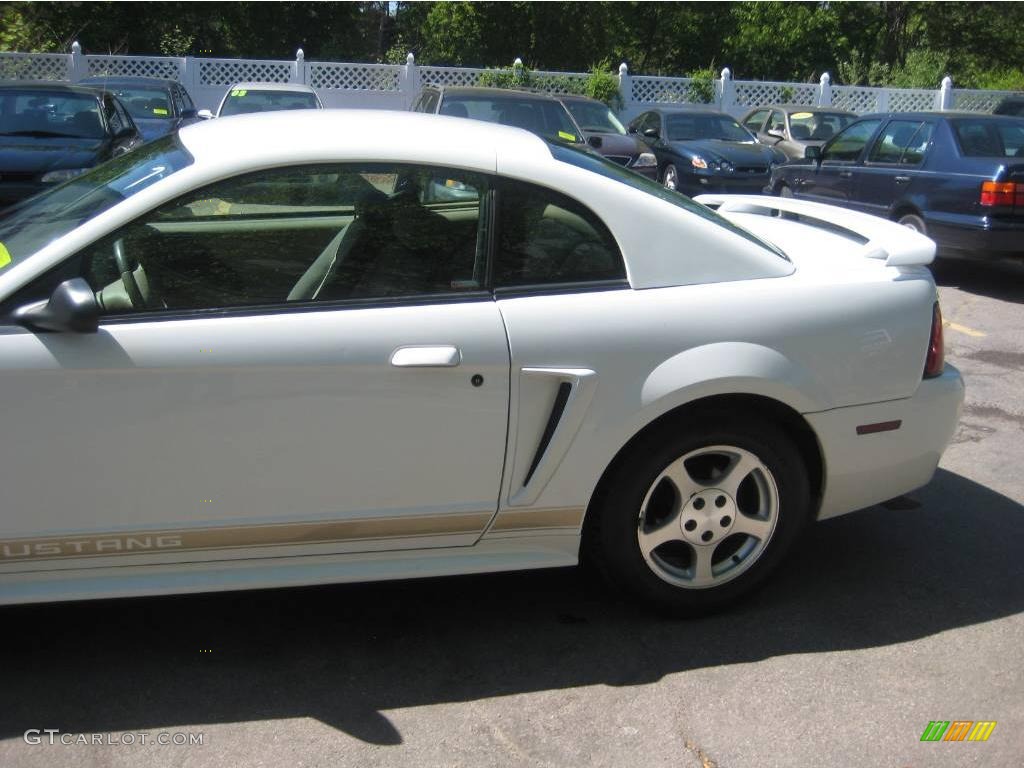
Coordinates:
x,y
651,133
204,114
596,142
189,114
777,135
813,153
71,307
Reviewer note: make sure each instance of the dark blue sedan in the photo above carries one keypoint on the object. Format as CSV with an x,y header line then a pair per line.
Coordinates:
x,y
157,106
957,177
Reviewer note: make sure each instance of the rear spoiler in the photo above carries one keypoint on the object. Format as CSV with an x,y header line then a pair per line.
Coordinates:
x,y
897,245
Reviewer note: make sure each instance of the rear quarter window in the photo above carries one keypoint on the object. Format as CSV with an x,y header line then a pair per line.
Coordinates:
x,y
978,137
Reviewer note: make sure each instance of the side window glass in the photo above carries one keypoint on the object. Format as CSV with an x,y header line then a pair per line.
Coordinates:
x,y
547,238
914,153
297,234
777,124
847,146
114,119
179,102
756,121
893,140
432,99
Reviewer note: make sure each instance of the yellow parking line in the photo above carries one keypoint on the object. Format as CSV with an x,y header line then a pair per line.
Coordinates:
x,y
963,329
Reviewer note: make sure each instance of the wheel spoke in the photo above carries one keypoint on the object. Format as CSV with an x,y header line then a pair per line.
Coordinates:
x,y
669,531
702,565
753,526
736,473
680,477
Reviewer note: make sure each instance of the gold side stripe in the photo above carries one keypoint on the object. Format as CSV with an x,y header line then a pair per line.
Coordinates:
x,y
519,519
242,536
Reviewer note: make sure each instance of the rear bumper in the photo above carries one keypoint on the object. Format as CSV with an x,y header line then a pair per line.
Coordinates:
x,y
861,470
977,237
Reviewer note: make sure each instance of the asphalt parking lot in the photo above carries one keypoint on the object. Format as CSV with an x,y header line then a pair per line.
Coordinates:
x,y
881,622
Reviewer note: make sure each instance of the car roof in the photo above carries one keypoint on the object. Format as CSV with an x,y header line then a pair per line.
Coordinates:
x,y
496,93
682,109
789,109
942,115
579,98
125,81
49,85
284,87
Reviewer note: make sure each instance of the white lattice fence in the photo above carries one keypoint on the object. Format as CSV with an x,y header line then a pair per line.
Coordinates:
x,y
450,75
165,68
855,99
35,66
751,93
979,101
354,77
912,100
663,90
231,71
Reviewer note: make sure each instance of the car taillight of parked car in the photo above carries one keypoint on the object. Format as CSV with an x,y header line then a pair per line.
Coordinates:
x,y
936,359
1002,194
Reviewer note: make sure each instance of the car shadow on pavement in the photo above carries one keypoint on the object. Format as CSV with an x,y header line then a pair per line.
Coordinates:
x,y
345,654
1003,280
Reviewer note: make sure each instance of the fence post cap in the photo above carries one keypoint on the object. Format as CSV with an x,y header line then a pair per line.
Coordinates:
x,y
726,73
410,59
76,48
623,70
518,62
300,55
826,78
947,82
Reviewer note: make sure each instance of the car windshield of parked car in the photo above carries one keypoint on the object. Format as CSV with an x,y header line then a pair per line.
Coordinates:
x,y
818,126
38,221
979,137
45,113
544,117
688,127
241,101
145,103
595,117
593,162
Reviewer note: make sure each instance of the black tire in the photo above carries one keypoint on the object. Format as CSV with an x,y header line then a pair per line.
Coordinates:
x,y
668,174
914,222
611,538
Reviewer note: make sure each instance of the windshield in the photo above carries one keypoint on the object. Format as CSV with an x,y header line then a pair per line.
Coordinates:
x,y
817,126
543,117
998,137
145,103
39,220
690,126
595,117
45,112
242,101
592,162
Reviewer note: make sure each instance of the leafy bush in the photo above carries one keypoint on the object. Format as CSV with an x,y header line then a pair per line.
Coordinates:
x,y
785,94
702,85
602,85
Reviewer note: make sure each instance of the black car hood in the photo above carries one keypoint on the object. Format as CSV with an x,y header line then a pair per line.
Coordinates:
x,y
736,152
617,144
26,154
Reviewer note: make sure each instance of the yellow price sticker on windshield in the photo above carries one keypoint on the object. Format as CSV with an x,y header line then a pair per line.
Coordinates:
x,y
801,115
5,257
158,111
566,136
239,92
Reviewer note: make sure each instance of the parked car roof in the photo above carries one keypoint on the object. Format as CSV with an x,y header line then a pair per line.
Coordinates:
x,y
790,109
49,85
472,90
257,86
127,80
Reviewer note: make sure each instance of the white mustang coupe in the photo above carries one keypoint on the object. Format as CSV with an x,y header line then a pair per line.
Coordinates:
x,y
302,348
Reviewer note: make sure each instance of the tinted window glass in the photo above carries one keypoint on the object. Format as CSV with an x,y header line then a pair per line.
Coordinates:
x,y
818,126
541,116
756,121
241,101
145,103
893,141
777,122
979,137
545,237
687,127
914,153
308,233
848,145
595,117
41,112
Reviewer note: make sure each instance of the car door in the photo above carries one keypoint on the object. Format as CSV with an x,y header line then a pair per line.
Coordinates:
x,y
832,179
273,375
892,167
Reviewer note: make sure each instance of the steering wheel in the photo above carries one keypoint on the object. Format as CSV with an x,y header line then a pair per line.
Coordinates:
x,y
127,269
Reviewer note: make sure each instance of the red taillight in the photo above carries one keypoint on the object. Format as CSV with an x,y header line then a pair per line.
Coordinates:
x,y
1001,194
936,359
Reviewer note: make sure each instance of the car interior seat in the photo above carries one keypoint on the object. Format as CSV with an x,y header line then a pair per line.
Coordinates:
x,y
800,132
822,132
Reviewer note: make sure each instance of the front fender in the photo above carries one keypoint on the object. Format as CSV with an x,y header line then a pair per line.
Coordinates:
x,y
732,368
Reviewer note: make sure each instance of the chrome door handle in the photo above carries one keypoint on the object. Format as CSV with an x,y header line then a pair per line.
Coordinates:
x,y
902,179
441,356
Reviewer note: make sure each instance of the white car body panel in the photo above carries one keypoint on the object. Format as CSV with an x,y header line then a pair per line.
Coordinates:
x,y
262,420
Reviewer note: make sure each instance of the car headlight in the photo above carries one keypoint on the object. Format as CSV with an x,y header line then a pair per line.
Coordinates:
x,y
55,177
645,160
698,162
